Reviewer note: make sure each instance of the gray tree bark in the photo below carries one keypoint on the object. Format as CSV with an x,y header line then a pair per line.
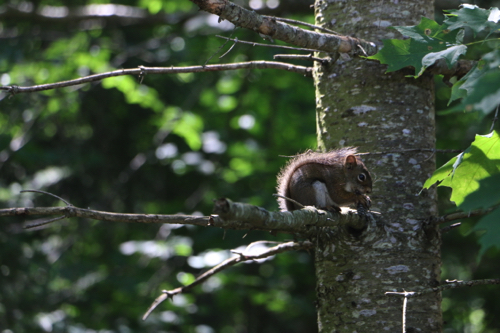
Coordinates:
x,y
359,105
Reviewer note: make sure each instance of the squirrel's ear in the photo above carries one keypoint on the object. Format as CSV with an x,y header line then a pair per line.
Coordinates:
x,y
350,161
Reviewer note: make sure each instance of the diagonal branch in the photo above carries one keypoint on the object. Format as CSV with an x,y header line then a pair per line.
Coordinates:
x,y
283,247
275,29
142,70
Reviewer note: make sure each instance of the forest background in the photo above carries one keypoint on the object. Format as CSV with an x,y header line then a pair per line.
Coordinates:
x,y
171,144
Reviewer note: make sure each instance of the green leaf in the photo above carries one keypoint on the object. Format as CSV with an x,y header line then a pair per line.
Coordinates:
x,y
480,88
463,172
478,19
485,97
466,83
491,238
485,196
429,31
451,56
457,92
429,42
480,91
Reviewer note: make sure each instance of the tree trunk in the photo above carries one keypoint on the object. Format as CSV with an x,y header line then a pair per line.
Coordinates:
x,y
359,105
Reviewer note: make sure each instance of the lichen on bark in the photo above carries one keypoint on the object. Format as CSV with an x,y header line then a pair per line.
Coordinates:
x,y
359,105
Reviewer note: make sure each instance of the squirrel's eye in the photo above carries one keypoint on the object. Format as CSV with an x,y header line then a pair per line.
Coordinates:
x,y
361,177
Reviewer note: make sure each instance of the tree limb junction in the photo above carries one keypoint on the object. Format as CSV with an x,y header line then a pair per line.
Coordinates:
x,y
269,26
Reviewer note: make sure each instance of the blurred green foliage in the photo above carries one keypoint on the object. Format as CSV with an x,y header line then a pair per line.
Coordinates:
x,y
170,144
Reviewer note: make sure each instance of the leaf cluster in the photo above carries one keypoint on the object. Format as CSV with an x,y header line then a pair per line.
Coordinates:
x,y
469,32
430,42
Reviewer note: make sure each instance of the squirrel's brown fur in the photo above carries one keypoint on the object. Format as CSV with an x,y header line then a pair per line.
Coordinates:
x,y
325,180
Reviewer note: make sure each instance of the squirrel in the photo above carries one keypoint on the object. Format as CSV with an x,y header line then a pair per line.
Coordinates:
x,y
325,180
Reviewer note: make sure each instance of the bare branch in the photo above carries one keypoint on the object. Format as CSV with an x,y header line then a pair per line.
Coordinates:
x,y
450,284
297,221
269,26
405,302
47,193
309,25
495,118
289,199
460,215
283,247
43,222
235,40
309,56
402,151
232,215
450,227
142,70
71,211
405,294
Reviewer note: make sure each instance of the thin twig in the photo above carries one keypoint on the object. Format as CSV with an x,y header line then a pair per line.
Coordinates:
x,y
304,24
406,294
460,215
283,247
221,47
289,199
72,211
494,119
44,222
269,45
307,71
451,226
39,224
362,50
309,56
402,151
450,284
229,50
405,301
53,195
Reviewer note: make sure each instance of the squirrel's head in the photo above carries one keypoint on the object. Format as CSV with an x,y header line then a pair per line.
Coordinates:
x,y
358,177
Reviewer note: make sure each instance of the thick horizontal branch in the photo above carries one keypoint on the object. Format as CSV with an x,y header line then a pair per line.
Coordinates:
x,y
283,247
141,71
297,221
275,29
228,215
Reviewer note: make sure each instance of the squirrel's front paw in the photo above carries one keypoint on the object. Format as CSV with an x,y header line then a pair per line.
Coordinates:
x,y
333,208
363,205
363,200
